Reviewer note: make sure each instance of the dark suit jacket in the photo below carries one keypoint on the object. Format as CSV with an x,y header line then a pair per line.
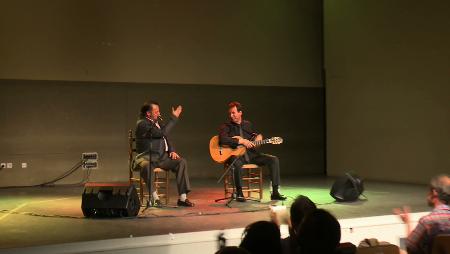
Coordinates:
x,y
147,129
230,129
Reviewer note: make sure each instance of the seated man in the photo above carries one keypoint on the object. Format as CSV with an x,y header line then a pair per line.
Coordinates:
x,y
152,135
237,126
437,222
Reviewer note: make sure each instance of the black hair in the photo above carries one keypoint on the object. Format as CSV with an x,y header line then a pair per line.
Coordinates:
x,y
232,250
146,108
301,206
235,104
319,232
262,237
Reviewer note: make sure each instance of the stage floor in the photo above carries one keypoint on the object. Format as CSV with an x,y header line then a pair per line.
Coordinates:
x,y
52,215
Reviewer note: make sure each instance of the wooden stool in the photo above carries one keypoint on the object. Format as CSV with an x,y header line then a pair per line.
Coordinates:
x,y
252,181
161,182
160,176
441,244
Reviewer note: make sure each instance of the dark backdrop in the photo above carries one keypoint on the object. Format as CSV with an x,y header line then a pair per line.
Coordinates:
x,y
48,124
74,73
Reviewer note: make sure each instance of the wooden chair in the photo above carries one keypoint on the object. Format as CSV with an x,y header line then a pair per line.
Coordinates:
x,y
160,176
345,248
441,244
379,249
252,181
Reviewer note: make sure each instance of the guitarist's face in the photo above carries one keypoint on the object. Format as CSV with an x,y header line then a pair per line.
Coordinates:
x,y
235,115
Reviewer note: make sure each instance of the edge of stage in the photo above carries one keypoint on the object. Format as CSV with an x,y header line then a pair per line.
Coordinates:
x,y
39,218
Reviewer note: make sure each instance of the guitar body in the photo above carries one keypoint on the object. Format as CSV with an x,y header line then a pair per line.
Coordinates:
x,y
221,154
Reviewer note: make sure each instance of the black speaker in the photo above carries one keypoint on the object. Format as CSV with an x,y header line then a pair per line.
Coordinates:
x,y
110,200
347,188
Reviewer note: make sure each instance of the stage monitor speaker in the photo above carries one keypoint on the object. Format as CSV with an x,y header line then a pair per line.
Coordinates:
x,y
347,188
110,200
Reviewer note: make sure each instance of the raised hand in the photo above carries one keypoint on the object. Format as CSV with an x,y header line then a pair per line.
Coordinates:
x,y
403,214
176,112
405,217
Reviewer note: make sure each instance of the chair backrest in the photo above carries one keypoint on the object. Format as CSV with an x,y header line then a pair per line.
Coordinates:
x,y
131,151
346,248
441,244
379,249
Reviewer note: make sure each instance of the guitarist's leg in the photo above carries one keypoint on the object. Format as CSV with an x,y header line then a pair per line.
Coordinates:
x,y
237,177
237,171
273,164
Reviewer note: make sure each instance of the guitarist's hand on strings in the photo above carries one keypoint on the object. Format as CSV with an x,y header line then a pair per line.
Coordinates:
x,y
247,143
258,137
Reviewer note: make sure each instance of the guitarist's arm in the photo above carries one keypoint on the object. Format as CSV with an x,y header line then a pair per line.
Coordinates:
x,y
233,141
225,139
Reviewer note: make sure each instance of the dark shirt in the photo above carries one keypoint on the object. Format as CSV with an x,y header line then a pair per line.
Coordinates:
x,y
147,129
230,129
289,245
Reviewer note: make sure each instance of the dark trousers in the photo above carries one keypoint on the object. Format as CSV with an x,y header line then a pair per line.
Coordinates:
x,y
260,159
179,167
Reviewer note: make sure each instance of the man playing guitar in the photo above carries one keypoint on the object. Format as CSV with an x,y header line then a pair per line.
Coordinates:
x,y
238,132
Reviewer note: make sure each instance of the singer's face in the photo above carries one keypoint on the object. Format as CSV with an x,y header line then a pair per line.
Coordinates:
x,y
155,112
235,115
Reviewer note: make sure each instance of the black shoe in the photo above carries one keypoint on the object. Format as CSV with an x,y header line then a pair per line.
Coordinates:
x,y
186,203
277,196
157,203
240,197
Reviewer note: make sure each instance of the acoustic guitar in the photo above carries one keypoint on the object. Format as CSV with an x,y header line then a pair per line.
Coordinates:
x,y
220,153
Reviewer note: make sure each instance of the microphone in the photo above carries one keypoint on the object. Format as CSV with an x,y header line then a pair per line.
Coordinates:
x,y
160,117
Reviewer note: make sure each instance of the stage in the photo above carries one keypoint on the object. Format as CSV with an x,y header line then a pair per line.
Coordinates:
x,y
52,215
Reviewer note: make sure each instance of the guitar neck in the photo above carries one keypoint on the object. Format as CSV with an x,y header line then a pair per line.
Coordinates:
x,y
261,142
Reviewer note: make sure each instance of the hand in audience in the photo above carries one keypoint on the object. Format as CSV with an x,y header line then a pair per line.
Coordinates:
x,y
405,217
403,214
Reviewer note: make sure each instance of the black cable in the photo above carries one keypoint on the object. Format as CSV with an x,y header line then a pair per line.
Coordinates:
x,y
64,175
85,179
51,183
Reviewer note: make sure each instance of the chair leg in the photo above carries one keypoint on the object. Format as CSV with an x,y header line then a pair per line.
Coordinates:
x,y
141,190
249,174
167,187
225,185
260,183
155,185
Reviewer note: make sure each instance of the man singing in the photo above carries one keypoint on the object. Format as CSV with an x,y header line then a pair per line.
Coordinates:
x,y
152,136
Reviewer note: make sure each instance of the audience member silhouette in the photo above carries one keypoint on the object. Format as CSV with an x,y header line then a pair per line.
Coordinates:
x,y
301,206
262,237
319,232
232,250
